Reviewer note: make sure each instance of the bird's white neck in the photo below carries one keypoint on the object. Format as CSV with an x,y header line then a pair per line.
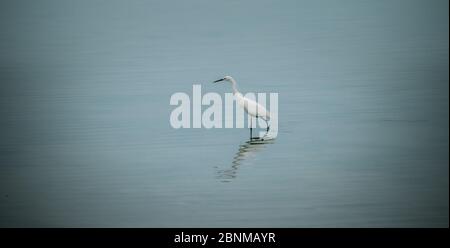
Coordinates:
x,y
233,85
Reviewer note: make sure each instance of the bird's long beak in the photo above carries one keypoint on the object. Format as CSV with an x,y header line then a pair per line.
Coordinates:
x,y
219,80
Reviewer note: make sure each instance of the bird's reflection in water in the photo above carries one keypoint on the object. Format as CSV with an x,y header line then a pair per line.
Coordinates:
x,y
246,152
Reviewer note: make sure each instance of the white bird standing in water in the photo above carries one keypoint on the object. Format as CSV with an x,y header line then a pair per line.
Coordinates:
x,y
251,107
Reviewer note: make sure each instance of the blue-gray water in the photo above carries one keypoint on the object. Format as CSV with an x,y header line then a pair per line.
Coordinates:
x,y
363,114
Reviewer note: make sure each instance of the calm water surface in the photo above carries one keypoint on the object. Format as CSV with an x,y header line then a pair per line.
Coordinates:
x,y
363,114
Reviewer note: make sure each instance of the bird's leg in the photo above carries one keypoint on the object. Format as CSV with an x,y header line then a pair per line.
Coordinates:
x,y
251,136
267,124
267,130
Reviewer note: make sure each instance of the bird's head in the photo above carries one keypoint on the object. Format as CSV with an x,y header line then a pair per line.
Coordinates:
x,y
226,78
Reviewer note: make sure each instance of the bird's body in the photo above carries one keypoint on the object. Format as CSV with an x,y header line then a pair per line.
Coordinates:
x,y
250,106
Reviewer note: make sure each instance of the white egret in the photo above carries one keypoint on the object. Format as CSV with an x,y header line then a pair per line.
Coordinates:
x,y
251,107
